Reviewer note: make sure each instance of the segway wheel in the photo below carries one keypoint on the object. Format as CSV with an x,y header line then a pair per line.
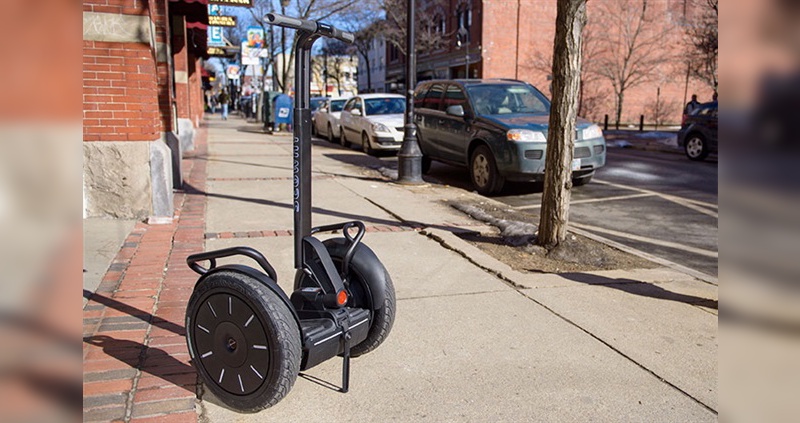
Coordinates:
x,y
366,273
243,340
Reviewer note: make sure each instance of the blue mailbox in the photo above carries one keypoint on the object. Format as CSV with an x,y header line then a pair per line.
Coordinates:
x,y
283,109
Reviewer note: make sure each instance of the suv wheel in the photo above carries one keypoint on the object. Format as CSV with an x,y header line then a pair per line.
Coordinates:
x,y
695,147
483,171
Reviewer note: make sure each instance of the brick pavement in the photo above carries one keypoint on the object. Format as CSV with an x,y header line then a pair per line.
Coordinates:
x,y
135,361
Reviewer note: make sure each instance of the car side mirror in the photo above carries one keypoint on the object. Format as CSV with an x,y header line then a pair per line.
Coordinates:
x,y
355,112
455,110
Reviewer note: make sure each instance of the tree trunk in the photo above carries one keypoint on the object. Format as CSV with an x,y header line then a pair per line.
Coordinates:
x,y
369,75
620,99
570,19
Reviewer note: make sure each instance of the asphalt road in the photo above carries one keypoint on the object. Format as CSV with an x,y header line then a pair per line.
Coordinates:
x,y
656,202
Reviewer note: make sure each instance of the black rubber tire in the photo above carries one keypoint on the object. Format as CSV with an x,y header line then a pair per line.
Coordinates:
x,y
314,131
581,181
342,138
425,165
363,264
330,133
365,144
256,318
483,171
696,147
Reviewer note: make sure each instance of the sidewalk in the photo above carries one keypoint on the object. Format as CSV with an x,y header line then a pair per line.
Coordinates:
x,y
473,340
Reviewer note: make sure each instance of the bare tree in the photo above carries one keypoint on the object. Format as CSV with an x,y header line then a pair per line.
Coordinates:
x,y
282,41
336,54
702,42
629,39
425,40
365,38
592,97
570,20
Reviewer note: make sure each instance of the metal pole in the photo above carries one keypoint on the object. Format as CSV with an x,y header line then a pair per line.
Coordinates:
x,y
301,145
466,60
409,158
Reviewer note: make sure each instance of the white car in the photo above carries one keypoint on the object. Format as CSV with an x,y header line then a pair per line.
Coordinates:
x,y
374,121
325,122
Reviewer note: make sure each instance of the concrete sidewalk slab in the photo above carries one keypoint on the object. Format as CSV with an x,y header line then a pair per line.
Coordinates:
x,y
102,239
233,205
483,357
654,326
419,267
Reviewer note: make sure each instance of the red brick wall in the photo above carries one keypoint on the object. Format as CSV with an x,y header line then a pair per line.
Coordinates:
x,y
126,7
125,92
196,90
120,92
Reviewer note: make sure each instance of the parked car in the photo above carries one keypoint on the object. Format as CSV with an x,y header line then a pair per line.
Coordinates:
x,y
698,134
374,121
325,122
314,104
497,128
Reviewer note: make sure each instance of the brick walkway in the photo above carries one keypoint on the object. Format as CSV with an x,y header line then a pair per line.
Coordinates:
x,y
135,361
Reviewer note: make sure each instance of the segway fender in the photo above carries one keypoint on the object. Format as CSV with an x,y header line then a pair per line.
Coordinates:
x,y
263,279
366,263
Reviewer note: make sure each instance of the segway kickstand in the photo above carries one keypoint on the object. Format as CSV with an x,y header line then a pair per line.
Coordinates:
x,y
346,358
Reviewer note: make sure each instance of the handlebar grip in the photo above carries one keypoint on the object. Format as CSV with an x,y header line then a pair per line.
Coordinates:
x,y
345,36
310,26
287,22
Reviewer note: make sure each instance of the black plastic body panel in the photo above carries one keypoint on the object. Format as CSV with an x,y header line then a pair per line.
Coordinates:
x,y
323,329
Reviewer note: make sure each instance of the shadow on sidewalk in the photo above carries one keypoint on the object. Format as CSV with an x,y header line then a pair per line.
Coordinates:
x,y
154,361
641,288
135,312
362,178
348,216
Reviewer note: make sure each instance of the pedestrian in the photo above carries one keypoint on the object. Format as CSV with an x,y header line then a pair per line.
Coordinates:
x,y
223,101
213,104
691,106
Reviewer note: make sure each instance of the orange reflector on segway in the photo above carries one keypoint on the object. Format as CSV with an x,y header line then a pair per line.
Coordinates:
x,y
341,298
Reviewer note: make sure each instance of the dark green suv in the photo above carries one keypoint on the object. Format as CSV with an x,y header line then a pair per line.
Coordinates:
x,y
497,128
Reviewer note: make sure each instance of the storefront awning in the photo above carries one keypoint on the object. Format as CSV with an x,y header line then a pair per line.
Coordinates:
x,y
196,14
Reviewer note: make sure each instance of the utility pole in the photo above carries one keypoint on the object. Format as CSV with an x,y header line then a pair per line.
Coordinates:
x,y
409,158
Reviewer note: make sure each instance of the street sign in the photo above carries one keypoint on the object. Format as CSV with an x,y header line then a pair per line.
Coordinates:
x,y
216,51
218,20
215,36
255,37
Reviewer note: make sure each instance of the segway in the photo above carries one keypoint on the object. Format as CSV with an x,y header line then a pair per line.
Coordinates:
x,y
247,339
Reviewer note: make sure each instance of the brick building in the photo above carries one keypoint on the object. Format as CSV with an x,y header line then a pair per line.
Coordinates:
x,y
142,100
514,39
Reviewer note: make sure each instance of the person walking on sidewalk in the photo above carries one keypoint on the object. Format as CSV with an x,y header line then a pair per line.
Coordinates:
x,y
691,106
223,101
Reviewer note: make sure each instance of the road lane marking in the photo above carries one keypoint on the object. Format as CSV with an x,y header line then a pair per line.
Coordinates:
x,y
593,200
698,251
696,205
660,260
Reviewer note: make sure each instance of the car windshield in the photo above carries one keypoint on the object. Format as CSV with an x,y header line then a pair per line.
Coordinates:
x,y
499,99
316,102
336,105
385,106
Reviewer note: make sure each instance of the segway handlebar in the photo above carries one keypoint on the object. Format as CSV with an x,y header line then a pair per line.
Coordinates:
x,y
317,27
